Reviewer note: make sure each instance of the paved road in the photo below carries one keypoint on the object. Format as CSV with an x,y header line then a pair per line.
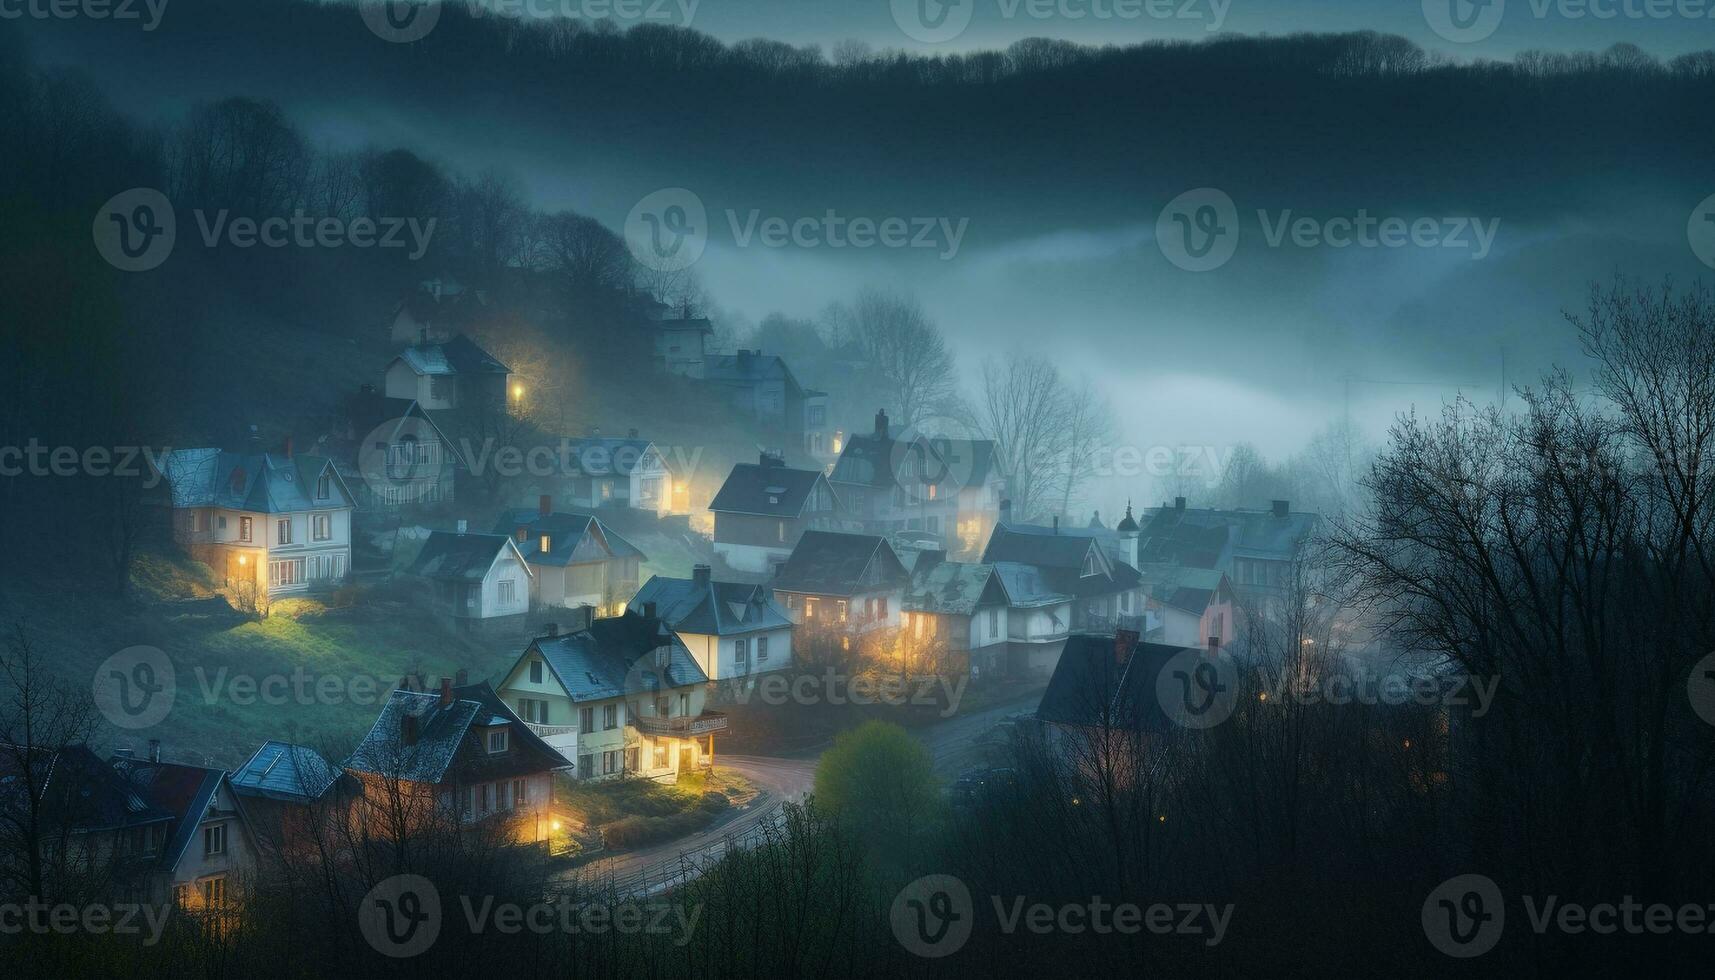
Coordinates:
x,y
952,746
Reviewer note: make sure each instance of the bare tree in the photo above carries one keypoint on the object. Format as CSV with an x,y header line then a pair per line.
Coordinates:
x,y
906,351
1024,409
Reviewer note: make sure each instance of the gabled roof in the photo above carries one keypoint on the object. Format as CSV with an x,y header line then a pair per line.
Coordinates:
x,y
1027,586
711,608
768,490
745,368
367,411
1091,687
835,564
442,732
876,460
286,772
616,657
953,588
183,791
1190,589
264,483
449,555
1060,558
76,788
572,538
460,355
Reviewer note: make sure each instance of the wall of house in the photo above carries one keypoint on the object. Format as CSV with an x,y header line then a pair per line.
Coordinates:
x,y
508,568
236,863
718,655
403,382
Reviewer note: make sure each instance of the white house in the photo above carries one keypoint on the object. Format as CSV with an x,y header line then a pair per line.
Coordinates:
x,y
732,630
279,521
629,472
1189,607
575,560
479,580
620,697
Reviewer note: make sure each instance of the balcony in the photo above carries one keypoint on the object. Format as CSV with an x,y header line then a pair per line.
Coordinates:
x,y
707,723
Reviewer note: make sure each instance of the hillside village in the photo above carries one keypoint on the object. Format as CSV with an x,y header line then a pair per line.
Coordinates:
x,y
632,605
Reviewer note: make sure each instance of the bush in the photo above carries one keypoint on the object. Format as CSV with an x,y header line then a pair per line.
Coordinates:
x,y
641,831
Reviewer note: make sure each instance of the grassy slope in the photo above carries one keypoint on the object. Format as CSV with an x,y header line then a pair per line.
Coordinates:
x,y
374,642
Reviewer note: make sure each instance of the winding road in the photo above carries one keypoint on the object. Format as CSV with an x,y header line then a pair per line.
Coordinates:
x,y
953,745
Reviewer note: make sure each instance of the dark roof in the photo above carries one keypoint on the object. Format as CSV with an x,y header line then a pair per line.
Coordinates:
x,y
746,368
836,564
460,355
1092,687
766,490
607,455
712,609
182,791
1208,538
442,732
76,788
1027,585
873,460
461,557
1060,557
618,656
266,483
572,538
1190,589
284,771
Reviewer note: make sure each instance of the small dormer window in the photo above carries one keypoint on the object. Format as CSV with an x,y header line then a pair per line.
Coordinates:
x,y
497,740
1090,563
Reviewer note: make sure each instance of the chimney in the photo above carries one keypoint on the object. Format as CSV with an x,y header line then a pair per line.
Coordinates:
x,y
423,337
255,438
1006,510
1178,503
464,525
446,692
154,750
545,505
1280,507
631,433
881,423
408,730
585,616
770,458
461,677
649,610
286,448
552,629
700,576
1056,523
1214,644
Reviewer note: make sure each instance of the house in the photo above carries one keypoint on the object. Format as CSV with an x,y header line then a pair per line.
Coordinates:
x,y
762,510
1259,550
822,442
888,484
453,374
454,756
619,697
575,560
761,387
290,793
142,831
478,581
851,583
982,487
1188,607
962,607
1106,591
732,630
1038,619
1105,689
679,343
273,522
629,472
392,453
